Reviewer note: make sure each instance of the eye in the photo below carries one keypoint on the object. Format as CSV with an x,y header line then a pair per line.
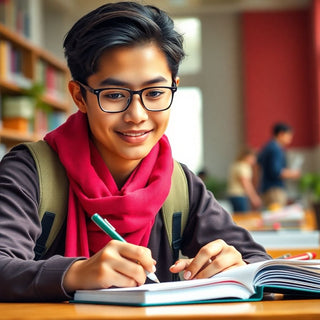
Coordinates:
x,y
113,94
154,93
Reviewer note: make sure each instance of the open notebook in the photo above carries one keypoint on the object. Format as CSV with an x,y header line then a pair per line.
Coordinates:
x,y
245,283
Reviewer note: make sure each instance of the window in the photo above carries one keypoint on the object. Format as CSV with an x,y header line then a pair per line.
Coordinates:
x,y
191,30
185,127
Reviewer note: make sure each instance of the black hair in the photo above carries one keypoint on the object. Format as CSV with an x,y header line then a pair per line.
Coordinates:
x,y
281,127
115,25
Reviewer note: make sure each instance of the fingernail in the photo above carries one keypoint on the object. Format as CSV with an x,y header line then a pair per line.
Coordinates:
x,y
174,265
187,275
154,269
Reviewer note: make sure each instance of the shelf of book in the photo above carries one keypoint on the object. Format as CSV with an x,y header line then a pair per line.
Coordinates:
x,y
16,16
24,67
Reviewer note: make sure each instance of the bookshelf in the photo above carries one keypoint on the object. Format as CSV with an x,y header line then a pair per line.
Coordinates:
x,y
22,67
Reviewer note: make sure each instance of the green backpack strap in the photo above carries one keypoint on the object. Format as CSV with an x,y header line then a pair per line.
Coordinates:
x,y
175,210
53,186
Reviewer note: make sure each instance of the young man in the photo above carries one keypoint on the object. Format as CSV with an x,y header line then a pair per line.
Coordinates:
x,y
124,60
273,164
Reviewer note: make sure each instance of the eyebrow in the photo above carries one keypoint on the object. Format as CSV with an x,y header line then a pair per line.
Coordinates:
x,y
116,82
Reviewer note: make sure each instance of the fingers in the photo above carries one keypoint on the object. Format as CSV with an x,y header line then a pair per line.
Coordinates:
x,y
123,275
129,260
117,264
211,259
180,265
138,254
123,272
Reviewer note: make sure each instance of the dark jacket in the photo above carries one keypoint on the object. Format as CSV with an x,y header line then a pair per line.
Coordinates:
x,y
272,160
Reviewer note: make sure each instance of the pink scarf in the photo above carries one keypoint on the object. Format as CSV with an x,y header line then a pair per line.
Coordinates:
x,y
131,210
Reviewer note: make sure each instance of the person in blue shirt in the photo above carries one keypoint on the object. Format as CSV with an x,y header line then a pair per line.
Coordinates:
x,y
273,165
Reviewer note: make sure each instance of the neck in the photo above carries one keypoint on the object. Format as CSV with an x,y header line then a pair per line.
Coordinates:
x,y
119,168
280,143
120,172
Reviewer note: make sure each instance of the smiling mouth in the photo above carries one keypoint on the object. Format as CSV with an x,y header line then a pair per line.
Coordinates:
x,y
134,134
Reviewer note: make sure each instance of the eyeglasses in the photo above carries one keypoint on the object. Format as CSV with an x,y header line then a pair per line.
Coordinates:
x,y
114,100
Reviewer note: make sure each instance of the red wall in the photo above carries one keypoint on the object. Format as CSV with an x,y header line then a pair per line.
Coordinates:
x,y
277,53
316,66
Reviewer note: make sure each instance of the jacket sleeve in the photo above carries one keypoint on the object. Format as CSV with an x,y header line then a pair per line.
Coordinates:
x,y
208,221
22,278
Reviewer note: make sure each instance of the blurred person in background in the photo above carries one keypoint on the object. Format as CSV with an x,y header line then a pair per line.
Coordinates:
x,y
274,169
241,190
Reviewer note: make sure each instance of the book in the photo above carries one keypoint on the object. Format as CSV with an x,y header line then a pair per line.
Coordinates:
x,y
291,216
18,106
245,283
5,50
297,162
15,15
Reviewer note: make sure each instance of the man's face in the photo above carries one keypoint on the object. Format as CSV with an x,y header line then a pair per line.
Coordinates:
x,y
126,138
285,138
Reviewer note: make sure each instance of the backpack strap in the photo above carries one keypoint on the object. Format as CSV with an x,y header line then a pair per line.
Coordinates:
x,y
175,210
53,186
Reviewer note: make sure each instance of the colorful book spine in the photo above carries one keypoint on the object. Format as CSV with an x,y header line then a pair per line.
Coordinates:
x,y
52,79
15,15
4,59
11,65
55,119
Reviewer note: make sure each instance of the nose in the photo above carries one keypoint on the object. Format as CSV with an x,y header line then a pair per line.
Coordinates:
x,y
136,112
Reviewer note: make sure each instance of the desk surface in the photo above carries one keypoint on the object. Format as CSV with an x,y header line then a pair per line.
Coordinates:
x,y
279,309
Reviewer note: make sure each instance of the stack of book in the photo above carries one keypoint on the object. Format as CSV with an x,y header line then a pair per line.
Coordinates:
x,y
17,113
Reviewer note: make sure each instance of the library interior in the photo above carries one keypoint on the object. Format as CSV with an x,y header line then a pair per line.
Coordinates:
x,y
249,65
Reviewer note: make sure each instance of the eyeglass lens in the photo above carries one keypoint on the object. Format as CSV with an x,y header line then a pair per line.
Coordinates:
x,y
114,100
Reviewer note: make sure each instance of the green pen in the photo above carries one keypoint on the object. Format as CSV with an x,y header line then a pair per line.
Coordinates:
x,y
109,229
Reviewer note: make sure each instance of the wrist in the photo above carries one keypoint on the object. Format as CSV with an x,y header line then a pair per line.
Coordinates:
x,y
70,280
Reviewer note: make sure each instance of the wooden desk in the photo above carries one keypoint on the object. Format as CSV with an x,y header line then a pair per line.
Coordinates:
x,y
282,309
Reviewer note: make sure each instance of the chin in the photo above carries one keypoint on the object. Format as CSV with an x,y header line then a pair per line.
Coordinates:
x,y
136,155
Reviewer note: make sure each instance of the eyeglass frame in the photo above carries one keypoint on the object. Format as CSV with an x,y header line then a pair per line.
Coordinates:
x,y
96,92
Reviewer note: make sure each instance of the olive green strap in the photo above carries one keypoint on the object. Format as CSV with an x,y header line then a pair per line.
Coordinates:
x,y
53,186
176,205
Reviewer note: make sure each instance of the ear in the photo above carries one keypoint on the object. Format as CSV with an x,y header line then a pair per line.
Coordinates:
x,y
76,94
177,81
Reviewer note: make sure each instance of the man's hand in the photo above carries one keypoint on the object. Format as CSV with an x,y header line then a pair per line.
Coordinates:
x,y
117,264
212,258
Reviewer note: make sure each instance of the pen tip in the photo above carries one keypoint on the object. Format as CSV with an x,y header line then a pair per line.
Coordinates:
x,y
153,277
